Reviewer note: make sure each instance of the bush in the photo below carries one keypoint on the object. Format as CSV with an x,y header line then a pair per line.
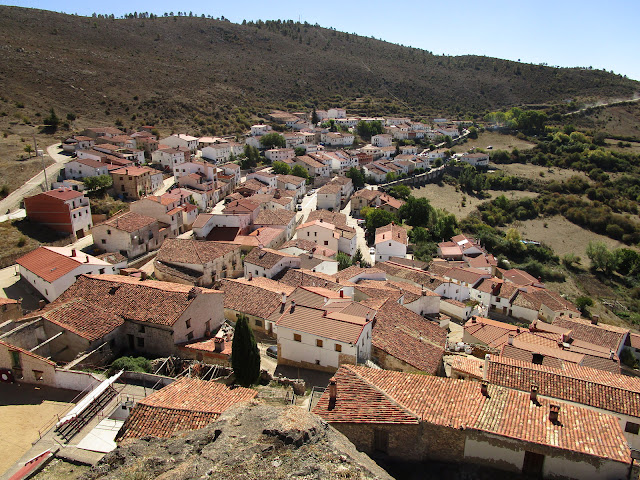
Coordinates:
x,y
583,303
130,364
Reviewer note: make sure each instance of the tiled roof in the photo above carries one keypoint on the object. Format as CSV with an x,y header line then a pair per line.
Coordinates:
x,y
253,297
330,188
408,337
391,232
266,257
7,301
571,382
84,318
161,303
519,277
51,263
608,336
186,404
315,321
274,217
195,252
374,396
291,179
89,162
491,332
534,298
130,222
166,199
133,171
335,218
299,277
368,195
309,246
470,365
63,193
309,161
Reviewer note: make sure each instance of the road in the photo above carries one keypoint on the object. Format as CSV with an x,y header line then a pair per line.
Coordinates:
x,y
15,197
361,239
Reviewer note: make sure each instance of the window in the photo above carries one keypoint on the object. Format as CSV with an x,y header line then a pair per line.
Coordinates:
x,y
15,358
537,358
188,323
308,234
631,427
140,342
258,323
326,242
101,271
38,375
338,347
389,243
108,232
190,336
315,234
297,337
319,343
141,328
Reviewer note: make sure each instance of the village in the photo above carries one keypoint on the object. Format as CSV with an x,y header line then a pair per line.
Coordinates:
x,y
475,363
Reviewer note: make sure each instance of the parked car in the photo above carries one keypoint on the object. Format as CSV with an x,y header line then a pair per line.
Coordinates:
x,y
299,207
372,250
489,147
272,351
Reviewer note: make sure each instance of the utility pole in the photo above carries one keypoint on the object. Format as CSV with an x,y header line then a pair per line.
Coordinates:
x,y
44,167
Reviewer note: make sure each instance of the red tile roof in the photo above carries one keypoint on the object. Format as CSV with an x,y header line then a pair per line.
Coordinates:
x,y
602,334
130,222
298,277
469,365
134,171
391,232
51,263
266,257
194,252
184,405
491,332
408,337
63,193
574,383
374,396
254,297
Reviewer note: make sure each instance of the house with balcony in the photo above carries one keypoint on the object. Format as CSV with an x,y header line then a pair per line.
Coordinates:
x,y
64,210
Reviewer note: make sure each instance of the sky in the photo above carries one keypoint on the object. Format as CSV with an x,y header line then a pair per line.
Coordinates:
x,y
568,33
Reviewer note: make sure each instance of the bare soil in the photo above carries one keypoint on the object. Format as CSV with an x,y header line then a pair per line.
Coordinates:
x,y
61,470
496,140
447,198
24,409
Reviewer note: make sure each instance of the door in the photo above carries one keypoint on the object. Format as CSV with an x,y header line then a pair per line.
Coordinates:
x,y
380,441
132,345
532,465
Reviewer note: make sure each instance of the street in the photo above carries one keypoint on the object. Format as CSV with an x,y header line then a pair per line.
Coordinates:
x,y
362,242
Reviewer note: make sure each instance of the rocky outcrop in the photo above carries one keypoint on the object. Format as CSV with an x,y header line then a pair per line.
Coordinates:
x,y
248,441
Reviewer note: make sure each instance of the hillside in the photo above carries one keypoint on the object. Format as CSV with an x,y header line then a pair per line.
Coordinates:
x,y
215,76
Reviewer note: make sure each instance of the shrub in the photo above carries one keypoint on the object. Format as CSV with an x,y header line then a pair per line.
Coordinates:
x,y
130,364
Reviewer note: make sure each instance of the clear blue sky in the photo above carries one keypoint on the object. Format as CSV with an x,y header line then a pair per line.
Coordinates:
x,y
601,34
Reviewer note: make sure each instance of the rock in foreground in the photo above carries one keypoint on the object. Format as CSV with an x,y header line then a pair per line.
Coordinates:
x,y
249,441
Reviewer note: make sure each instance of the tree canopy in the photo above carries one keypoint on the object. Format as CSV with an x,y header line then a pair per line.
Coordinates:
x,y
272,140
356,176
245,356
366,130
280,168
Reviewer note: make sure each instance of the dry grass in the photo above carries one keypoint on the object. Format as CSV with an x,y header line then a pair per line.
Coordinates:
x,y
447,198
21,236
60,470
497,140
562,236
536,172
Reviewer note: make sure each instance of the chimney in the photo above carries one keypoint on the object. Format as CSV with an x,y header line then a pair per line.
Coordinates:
x,y
484,388
510,339
41,304
424,291
143,276
595,319
554,411
341,294
293,306
283,298
73,252
218,344
333,394
534,394
612,354
250,276
86,260
485,369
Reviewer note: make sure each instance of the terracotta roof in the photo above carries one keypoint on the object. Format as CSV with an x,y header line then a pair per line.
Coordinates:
x,y
298,277
335,218
63,193
84,318
254,297
166,199
89,162
367,194
291,179
119,297
260,236
241,206
266,257
374,396
309,161
195,252
470,365
274,217
491,332
130,222
391,201
310,247
51,263
7,301
408,337
315,321
133,171
519,277
330,188
184,405
602,334
391,232
534,298
571,382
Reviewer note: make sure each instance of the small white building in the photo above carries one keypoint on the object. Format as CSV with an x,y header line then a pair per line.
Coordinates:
x,y
131,234
171,157
279,154
475,159
391,241
382,140
84,167
181,140
51,270
259,130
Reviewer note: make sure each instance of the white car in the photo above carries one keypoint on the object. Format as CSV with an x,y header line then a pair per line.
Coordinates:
x,y
299,207
372,250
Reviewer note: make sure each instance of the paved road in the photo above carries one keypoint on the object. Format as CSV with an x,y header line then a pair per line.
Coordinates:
x,y
361,240
15,197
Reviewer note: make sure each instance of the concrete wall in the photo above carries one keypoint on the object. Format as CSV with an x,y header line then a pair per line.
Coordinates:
x,y
76,380
387,249
425,305
27,365
205,309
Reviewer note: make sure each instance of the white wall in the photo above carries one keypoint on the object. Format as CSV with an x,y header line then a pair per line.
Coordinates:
x,y
76,380
389,248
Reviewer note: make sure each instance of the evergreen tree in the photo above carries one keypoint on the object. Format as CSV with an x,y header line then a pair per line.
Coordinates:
x,y
314,117
245,356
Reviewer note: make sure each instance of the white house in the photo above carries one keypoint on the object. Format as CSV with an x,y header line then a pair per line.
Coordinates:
x,y
336,113
181,140
218,152
475,159
313,167
206,169
391,241
131,234
279,154
337,139
334,237
171,157
329,196
382,140
259,130
51,270
84,167
166,209
265,262
297,185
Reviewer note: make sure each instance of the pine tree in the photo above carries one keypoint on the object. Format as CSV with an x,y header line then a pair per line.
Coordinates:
x,y
245,356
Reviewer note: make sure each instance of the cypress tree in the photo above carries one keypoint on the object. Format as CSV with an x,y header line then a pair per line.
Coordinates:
x,y
245,356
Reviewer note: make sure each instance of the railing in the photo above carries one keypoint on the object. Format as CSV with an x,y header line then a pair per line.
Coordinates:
x,y
316,393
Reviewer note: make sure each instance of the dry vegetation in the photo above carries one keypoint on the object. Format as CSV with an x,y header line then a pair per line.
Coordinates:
x,y
496,140
621,120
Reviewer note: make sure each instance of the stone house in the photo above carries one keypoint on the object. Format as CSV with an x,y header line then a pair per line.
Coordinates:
x,y
265,262
132,182
130,234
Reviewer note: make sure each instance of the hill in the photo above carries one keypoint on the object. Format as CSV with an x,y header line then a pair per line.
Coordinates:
x,y
216,76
